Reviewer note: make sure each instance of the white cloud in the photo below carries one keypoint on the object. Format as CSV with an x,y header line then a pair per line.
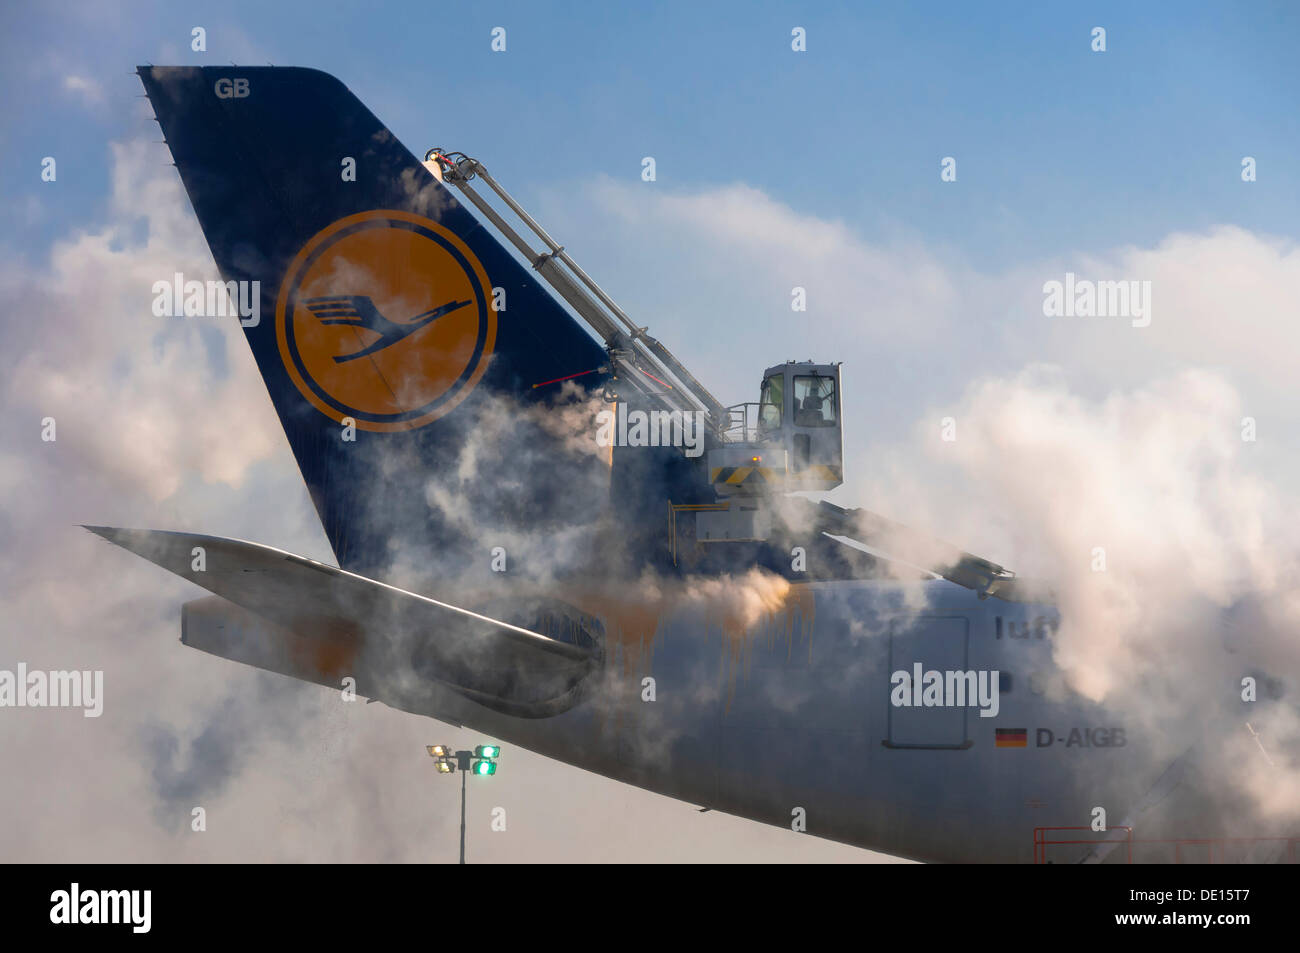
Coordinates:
x,y
89,91
163,423
133,395
1072,433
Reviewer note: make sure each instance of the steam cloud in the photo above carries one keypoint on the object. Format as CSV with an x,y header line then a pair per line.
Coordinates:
x,y
1200,587
1175,564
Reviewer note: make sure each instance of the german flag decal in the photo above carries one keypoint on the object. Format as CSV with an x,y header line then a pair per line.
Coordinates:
x,y
1012,737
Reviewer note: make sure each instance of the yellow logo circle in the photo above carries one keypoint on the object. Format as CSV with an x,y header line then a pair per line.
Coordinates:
x,y
385,317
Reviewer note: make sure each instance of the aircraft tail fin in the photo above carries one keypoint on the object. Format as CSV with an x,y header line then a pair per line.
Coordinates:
x,y
391,328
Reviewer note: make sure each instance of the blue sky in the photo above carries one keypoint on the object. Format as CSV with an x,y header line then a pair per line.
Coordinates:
x,y
1058,147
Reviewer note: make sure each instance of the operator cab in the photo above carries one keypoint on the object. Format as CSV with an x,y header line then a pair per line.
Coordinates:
x,y
799,412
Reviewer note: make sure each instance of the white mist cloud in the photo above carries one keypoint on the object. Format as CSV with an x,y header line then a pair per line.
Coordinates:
x,y
1145,512
1156,482
164,422
1073,434
133,395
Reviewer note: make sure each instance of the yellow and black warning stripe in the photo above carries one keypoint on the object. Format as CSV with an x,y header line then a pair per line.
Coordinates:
x,y
735,476
821,471
738,476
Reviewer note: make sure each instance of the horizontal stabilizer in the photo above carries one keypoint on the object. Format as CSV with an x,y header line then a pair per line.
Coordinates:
x,y
214,625
389,639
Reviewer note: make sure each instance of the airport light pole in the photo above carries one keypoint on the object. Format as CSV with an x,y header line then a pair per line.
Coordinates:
x,y
481,761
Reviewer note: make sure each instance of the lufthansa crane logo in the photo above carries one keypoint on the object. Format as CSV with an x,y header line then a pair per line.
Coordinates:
x,y
385,317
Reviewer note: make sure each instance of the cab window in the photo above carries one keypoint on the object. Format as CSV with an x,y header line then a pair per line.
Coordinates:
x,y
771,400
814,401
